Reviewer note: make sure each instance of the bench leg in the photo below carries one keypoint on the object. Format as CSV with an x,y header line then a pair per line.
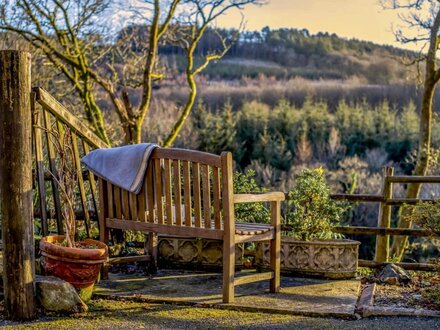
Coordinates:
x,y
104,271
104,237
275,247
153,242
228,270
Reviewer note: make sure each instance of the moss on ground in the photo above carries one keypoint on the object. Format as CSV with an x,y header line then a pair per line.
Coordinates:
x,y
108,314
125,314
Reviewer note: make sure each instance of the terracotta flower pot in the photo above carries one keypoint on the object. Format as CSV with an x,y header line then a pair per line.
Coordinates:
x,y
80,267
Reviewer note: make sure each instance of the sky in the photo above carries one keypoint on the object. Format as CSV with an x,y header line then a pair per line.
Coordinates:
x,y
361,19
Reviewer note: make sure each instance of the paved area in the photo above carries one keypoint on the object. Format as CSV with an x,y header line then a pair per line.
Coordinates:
x,y
300,296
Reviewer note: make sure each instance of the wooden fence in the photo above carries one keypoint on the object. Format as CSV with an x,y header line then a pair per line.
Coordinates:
x,y
383,230
50,117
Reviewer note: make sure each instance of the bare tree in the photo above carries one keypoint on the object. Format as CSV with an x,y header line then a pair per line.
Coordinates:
x,y
421,19
70,35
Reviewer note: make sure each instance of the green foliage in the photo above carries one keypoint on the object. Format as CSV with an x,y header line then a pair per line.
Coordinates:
x,y
244,183
276,136
311,212
432,295
251,124
216,129
426,215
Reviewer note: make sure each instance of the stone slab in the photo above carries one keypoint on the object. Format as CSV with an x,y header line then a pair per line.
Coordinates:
x,y
369,311
302,296
366,298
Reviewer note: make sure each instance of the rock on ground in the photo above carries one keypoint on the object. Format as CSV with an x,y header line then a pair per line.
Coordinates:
x,y
394,275
56,295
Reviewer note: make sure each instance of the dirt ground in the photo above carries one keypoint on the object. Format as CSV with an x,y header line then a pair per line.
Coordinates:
x,y
422,292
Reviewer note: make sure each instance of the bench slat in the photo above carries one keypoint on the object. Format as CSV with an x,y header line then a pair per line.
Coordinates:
x,y
150,193
142,203
187,192
206,196
216,196
165,229
110,201
132,197
196,195
118,201
187,155
125,204
159,190
177,192
168,196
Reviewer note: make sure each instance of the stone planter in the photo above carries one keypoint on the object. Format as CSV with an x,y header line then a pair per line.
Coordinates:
x,y
194,253
335,259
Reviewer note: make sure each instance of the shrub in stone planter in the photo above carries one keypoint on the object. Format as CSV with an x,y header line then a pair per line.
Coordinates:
x,y
311,214
309,245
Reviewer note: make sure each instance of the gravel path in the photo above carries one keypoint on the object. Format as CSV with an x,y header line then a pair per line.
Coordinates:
x,y
105,314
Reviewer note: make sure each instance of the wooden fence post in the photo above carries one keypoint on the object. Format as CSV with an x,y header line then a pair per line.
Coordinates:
x,y
16,185
384,219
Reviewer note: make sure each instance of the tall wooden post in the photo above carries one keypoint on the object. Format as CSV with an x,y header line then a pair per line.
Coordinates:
x,y
16,185
384,220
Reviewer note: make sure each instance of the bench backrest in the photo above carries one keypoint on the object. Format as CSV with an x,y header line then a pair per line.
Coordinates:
x,y
184,188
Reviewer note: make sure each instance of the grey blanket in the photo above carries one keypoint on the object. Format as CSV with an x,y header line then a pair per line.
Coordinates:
x,y
124,166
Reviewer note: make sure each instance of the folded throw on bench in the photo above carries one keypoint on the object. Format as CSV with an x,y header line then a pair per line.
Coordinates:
x,y
124,166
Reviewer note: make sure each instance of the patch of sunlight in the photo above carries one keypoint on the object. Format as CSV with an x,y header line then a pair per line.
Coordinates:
x,y
176,277
312,289
222,317
125,280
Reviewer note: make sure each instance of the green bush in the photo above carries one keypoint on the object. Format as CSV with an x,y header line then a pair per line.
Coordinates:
x,y
244,183
311,213
426,215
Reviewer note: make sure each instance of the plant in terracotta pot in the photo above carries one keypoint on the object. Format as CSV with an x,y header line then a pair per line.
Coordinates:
x,y
309,245
77,262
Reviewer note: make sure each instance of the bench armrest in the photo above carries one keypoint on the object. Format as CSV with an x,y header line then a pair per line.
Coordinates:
x,y
257,198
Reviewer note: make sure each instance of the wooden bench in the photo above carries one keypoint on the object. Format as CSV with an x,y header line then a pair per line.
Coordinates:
x,y
190,194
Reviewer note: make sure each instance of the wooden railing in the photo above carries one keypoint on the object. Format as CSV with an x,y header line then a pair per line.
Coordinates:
x,y
49,114
383,230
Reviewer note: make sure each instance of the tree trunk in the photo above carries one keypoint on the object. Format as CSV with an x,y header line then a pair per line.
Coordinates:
x,y
16,185
413,190
185,113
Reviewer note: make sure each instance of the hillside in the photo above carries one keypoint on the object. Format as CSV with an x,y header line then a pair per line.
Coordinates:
x,y
289,53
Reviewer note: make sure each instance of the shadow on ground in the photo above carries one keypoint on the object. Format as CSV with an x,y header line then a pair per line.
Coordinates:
x,y
297,296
